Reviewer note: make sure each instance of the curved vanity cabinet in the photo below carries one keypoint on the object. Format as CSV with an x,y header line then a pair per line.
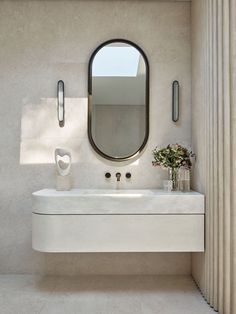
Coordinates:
x,y
117,221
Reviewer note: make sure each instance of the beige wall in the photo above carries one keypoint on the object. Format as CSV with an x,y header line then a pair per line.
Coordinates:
x,y
233,130
198,29
44,41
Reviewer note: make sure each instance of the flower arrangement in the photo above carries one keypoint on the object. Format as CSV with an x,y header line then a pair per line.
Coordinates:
x,y
173,156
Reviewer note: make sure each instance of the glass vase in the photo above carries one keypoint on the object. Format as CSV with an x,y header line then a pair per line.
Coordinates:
x,y
173,176
184,180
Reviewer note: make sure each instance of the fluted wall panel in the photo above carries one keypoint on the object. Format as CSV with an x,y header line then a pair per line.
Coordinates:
x,y
216,147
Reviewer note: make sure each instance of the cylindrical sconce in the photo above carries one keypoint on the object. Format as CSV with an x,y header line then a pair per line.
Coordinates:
x,y
60,103
175,101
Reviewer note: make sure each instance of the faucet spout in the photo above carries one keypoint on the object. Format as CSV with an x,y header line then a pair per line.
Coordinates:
x,y
118,175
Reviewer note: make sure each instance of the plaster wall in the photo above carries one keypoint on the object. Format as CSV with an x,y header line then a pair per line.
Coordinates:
x,y
44,41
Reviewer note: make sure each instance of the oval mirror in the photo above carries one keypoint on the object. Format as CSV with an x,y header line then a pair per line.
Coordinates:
x,y
118,111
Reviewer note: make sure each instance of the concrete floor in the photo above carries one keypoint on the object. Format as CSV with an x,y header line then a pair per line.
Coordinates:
x,y
27,294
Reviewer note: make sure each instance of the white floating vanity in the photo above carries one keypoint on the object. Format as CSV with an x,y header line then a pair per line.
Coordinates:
x,y
117,221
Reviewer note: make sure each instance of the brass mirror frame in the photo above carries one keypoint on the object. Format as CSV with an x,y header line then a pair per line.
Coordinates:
x,y
135,154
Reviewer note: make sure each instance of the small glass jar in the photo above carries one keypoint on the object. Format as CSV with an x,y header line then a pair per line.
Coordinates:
x,y
184,179
167,185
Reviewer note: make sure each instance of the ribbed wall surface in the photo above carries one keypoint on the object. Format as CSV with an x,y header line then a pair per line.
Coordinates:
x,y
212,64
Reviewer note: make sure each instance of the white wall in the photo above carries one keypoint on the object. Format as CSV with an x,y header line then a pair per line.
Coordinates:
x,y
44,41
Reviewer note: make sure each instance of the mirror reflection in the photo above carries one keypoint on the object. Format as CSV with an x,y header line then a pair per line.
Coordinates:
x,y
118,106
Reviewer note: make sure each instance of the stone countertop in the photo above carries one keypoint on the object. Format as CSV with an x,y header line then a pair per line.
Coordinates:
x,y
116,202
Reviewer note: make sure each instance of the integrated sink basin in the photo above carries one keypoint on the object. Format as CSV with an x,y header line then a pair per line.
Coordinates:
x,y
95,202
96,220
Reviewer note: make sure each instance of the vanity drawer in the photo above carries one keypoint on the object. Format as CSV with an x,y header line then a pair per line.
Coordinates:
x,y
118,233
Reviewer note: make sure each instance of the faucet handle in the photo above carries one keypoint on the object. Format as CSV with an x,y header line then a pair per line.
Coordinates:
x,y
107,175
128,175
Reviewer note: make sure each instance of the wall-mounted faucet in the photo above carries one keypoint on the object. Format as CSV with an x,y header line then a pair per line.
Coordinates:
x,y
118,175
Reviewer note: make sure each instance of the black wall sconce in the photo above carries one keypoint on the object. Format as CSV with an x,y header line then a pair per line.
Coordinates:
x,y
175,101
60,103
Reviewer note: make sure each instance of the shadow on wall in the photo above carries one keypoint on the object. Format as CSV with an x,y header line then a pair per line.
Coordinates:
x,y
40,133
